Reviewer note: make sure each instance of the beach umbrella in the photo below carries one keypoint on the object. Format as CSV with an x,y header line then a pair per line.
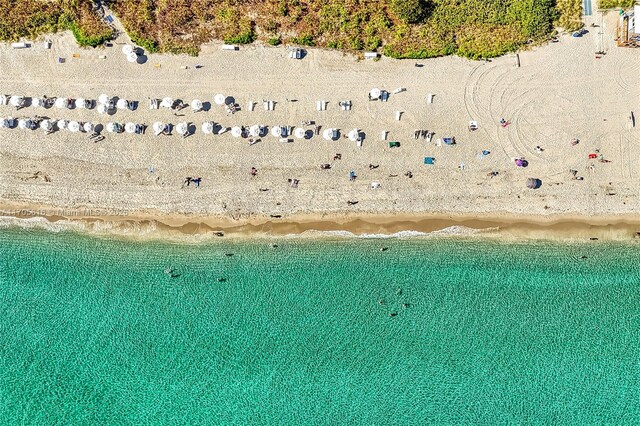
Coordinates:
x,y
132,57
166,103
236,132
299,133
328,134
196,105
102,109
122,104
38,102
521,162
207,128
354,135
130,127
88,127
255,130
80,103
46,125
104,99
219,99
26,123
73,126
61,103
533,183
127,48
114,127
159,127
4,123
16,100
182,128
375,93
276,131
62,124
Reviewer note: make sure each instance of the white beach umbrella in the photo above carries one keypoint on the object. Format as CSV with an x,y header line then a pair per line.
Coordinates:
x,y
38,102
159,127
22,123
236,132
196,105
122,104
276,131
328,134
4,123
207,128
182,128
375,93
130,127
16,100
61,103
114,127
26,123
132,57
354,135
127,48
62,124
166,103
88,127
219,99
46,125
73,126
299,133
80,103
104,99
102,109
255,130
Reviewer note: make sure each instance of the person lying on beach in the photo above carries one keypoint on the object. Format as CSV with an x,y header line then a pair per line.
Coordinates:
x,y
352,203
325,166
187,181
254,171
409,174
337,157
371,166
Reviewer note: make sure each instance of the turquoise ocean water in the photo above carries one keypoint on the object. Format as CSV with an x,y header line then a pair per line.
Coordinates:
x,y
93,331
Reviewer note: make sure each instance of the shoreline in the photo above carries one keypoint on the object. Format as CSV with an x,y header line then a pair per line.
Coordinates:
x,y
163,226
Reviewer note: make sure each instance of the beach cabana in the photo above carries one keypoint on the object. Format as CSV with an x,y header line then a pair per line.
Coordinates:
x,y
73,126
46,125
534,183
114,128
299,133
219,99
159,127
88,127
182,128
127,48
374,94
197,105
62,124
236,132
130,127
207,127
256,130
354,135
8,122
104,99
16,101
167,103
122,104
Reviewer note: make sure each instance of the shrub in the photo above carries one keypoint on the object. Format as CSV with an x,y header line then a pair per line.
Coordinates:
x,y
409,11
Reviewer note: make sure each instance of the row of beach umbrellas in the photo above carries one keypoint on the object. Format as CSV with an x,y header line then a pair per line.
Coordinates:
x,y
46,124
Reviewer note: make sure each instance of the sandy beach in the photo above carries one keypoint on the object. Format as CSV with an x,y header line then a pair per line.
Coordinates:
x,y
559,93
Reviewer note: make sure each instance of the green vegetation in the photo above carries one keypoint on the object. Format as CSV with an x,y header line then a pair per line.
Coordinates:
x,y
400,28
610,4
31,18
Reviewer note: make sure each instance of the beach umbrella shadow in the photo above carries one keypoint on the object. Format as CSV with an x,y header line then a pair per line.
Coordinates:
x,y
206,106
99,128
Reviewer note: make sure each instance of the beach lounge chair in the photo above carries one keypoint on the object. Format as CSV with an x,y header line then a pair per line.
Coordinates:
x,y
449,141
473,125
429,160
394,144
399,90
375,185
321,105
